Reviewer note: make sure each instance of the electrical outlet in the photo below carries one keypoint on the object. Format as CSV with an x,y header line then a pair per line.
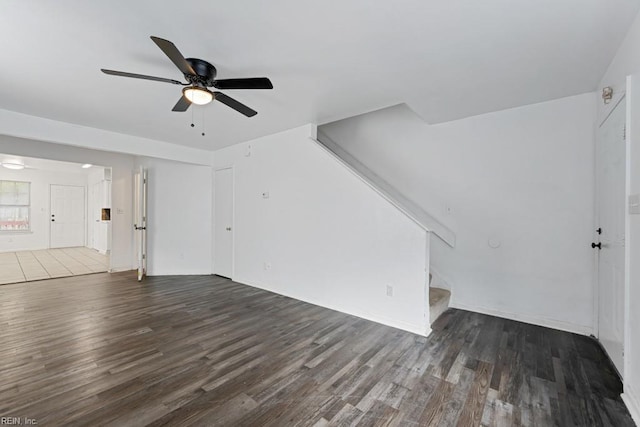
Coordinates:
x,y
389,290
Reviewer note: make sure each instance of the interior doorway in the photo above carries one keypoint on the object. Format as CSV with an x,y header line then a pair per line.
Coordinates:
x,y
140,191
610,233
54,219
99,210
223,223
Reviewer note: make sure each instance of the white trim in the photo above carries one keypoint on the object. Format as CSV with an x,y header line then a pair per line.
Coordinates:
x,y
533,320
632,402
178,272
426,285
121,269
627,347
408,327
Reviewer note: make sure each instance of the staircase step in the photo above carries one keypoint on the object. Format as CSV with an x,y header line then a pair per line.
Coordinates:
x,y
438,302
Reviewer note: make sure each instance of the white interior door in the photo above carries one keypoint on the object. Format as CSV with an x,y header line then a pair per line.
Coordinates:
x,y
95,234
140,217
610,203
223,229
68,223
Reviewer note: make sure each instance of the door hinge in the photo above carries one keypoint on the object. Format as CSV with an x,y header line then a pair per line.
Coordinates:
x,y
144,257
624,133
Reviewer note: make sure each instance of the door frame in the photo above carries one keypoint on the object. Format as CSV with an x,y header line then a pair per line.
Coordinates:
x,y
85,214
632,92
141,220
233,216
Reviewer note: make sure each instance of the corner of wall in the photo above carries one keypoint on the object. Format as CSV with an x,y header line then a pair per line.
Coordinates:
x,y
518,317
630,399
438,280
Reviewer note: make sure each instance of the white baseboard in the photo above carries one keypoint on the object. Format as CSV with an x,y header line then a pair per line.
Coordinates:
x,y
170,272
398,324
534,320
22,249
630,398
120,269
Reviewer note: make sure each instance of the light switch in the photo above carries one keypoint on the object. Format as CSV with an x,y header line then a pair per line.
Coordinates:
x,y
634,204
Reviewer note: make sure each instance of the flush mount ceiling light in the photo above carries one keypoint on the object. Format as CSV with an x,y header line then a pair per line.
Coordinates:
x,y
12,165
197,95
86,166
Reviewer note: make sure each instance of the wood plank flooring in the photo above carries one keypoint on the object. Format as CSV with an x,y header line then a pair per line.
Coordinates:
x,y
204,351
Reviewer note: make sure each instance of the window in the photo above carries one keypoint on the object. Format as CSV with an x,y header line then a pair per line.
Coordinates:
x,y
15,199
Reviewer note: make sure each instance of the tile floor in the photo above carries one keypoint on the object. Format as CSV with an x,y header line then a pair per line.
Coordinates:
x,y
26,266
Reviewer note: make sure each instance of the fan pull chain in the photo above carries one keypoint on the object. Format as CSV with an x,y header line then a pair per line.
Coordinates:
x,y
192,125
202,121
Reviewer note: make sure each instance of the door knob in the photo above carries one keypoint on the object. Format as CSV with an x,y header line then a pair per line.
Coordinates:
x,y
599,245
599,230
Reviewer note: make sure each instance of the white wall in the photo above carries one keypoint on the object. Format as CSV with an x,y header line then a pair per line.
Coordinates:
x,y
626,60
625,63
330,239
38,237
522,178
179,220
122,255
41,129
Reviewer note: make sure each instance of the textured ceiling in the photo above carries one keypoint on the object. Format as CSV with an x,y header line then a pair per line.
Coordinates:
x,y
328,60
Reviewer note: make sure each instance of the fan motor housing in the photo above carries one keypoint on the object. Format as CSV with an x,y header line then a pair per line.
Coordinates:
x,y
206,73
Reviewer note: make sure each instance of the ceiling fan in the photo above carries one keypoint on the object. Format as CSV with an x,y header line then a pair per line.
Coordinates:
x,y
200,75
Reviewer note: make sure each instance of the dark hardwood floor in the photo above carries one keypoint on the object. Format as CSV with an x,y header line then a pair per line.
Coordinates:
x,y
202,350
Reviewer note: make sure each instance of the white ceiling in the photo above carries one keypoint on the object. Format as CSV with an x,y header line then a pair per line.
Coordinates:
x,y
45,164
327,59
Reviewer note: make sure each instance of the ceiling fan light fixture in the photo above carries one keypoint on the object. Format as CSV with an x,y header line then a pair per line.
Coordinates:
x,y
197,95
12,165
